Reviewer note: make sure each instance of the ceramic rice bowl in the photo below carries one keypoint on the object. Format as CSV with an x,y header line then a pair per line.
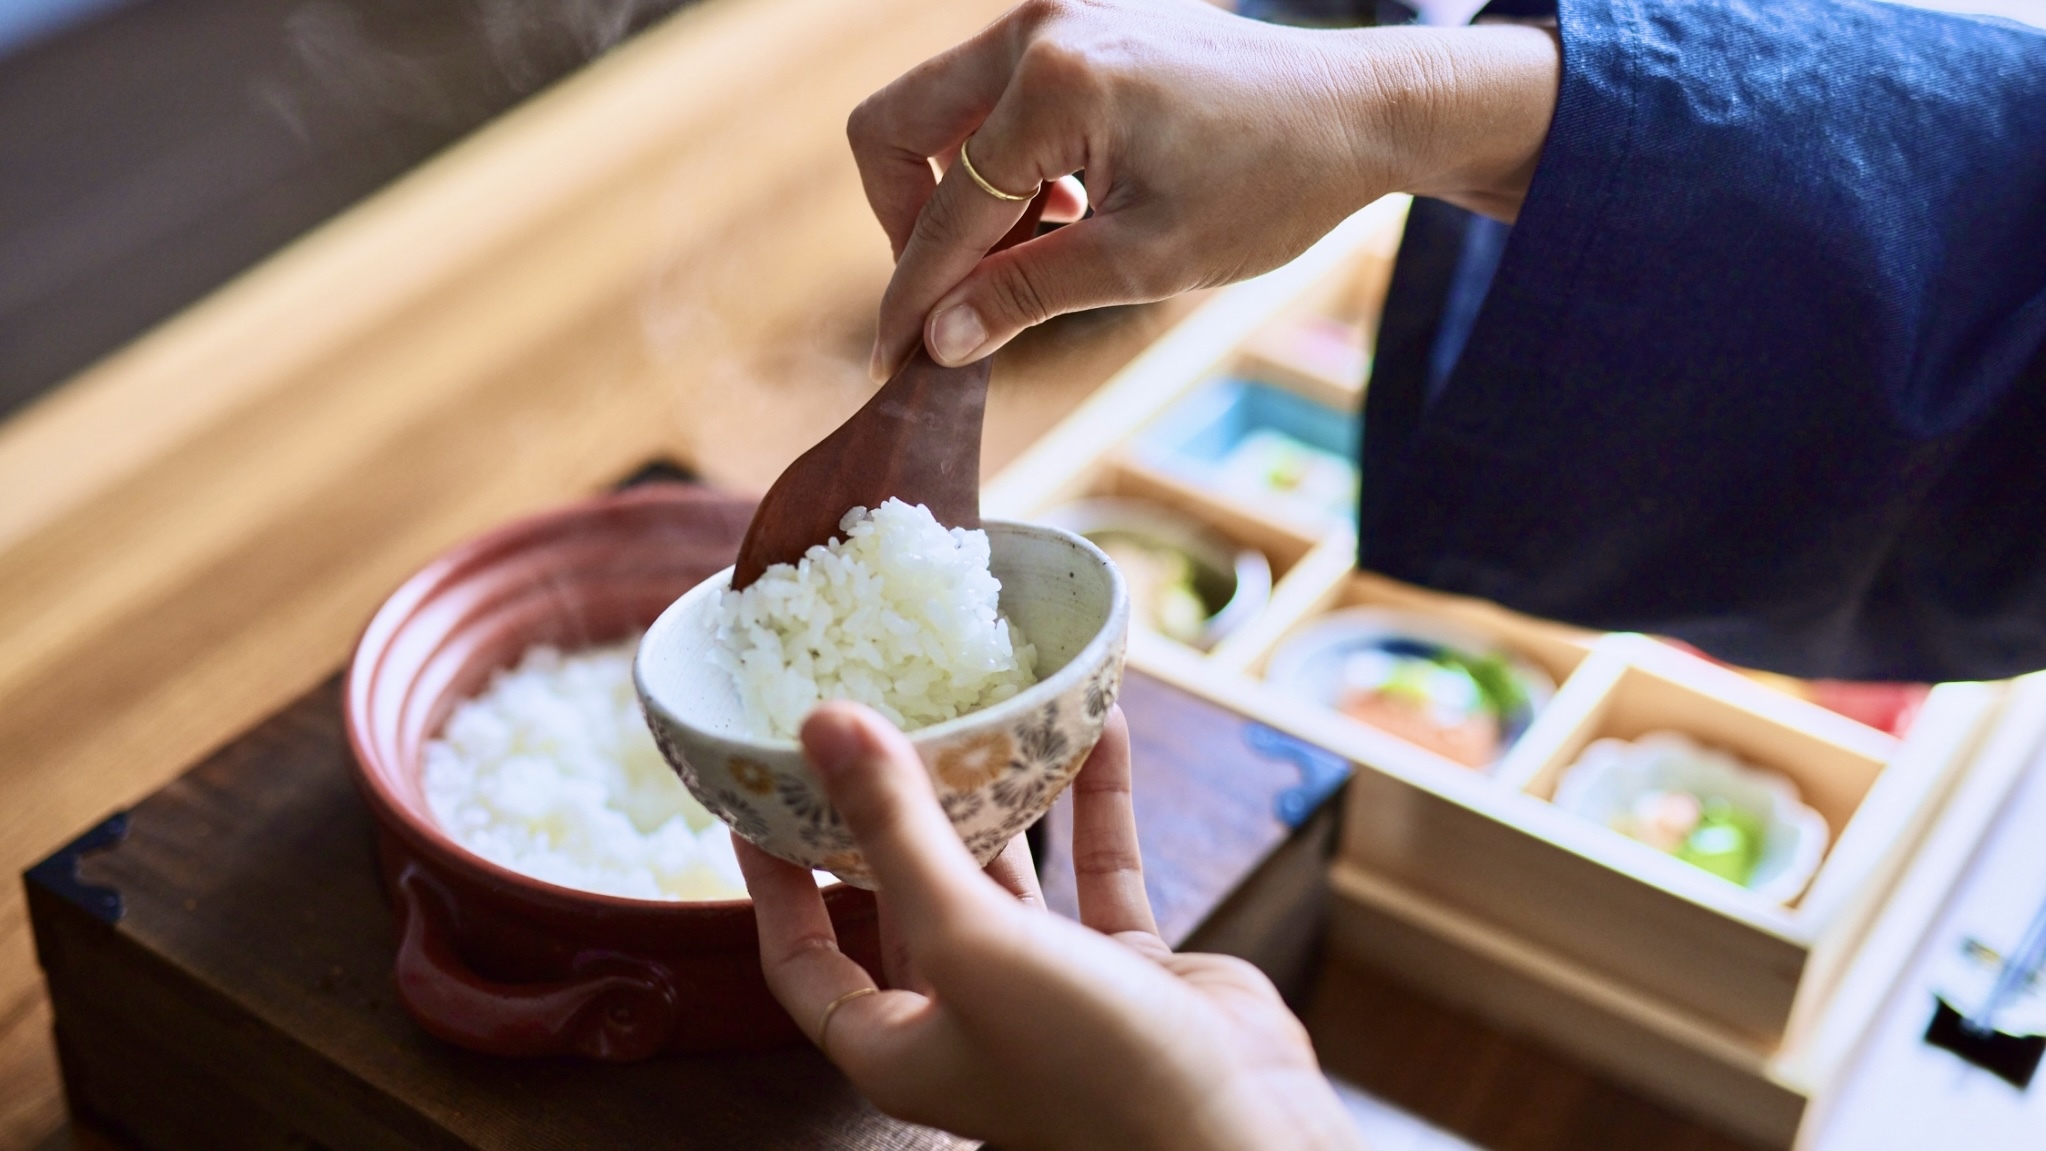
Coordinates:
x,y
996,770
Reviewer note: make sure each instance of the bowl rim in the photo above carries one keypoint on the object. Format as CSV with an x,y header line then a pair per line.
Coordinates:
x,y
1083,664
365,668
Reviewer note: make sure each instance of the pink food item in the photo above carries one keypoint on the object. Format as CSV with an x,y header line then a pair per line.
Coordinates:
x,y
1472,742
1665,819
1887,707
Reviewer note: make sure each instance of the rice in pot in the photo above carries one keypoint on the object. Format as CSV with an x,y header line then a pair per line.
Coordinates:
x,y
900,614
551,772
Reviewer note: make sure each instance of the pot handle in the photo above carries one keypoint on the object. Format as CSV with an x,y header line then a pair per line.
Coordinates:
x,y
614,1008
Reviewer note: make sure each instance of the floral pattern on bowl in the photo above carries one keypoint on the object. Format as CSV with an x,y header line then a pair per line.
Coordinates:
x,y
996,771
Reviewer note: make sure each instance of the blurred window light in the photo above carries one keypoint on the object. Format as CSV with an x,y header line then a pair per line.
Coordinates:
x,y
2022,11
25,22
1449,13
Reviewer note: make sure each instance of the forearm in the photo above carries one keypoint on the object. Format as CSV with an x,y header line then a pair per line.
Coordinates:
x,y
1214,148
1457,114
1292,1108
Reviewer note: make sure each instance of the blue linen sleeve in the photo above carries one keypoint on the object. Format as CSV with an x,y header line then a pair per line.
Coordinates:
x,y
1763,362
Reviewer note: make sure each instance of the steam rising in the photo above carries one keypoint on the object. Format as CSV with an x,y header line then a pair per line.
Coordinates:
x,y
353,66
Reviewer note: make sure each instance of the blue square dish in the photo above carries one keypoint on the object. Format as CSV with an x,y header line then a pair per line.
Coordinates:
x,y
1201,439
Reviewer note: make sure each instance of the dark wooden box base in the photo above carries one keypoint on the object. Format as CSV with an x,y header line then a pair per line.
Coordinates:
x,y
220,969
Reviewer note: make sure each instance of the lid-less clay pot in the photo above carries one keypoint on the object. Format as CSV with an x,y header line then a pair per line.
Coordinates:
x,y
500,962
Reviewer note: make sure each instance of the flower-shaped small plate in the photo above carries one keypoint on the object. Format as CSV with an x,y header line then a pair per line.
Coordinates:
x,y
1612,775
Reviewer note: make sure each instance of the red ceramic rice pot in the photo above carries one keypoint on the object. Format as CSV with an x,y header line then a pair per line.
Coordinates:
x,y
499,962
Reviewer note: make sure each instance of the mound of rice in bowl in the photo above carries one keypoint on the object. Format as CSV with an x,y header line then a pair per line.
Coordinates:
x,y
900,614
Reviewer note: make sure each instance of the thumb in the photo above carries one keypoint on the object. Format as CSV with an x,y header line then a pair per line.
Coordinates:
x,y
1091,264
878,784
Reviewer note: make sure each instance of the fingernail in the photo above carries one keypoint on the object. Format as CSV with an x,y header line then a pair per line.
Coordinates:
x,y
877,366
833,741
956,334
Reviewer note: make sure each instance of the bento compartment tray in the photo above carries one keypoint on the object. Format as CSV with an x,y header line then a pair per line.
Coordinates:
x,y
1648,920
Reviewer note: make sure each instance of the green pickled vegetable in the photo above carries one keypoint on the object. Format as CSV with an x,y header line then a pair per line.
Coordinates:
x,y
1727,842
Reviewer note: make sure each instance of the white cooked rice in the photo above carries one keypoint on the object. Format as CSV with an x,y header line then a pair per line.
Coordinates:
x,y
552,773
901,614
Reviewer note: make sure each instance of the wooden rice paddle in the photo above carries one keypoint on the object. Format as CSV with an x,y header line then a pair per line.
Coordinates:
x,y
917,439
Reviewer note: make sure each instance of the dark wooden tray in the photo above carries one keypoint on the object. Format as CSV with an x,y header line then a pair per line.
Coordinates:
x,y
219,958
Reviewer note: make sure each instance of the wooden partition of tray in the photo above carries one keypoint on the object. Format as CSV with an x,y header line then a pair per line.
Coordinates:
x,y
1472,884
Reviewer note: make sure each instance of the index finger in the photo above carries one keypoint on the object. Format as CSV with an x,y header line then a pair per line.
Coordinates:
x,y
922,115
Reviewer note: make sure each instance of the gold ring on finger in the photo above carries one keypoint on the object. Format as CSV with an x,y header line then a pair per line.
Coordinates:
x,y
966,162
831,1009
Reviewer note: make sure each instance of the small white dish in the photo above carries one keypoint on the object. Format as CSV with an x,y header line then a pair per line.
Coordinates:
x,y
1163,527
1311,664
1611,776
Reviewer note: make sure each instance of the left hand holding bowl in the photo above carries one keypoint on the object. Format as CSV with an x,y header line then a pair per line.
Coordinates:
x,y
1027,1029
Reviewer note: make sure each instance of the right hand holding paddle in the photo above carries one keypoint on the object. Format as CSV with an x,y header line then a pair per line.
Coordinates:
x,y
1214,148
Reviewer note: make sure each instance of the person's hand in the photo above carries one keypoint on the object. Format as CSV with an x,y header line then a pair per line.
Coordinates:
x,y
1029,1030
1214,148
